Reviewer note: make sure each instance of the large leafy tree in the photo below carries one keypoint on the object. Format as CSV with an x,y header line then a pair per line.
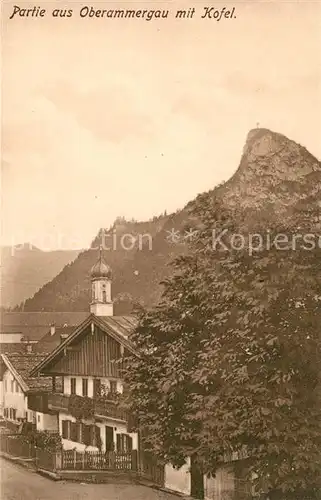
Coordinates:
x,y
230,358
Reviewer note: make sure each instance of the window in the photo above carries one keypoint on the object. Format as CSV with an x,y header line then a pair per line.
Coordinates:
x,y
17,387
113,386
97,438
73,431
12,386
65,429
86,435
5,386
62,384
97,387
85,387
73,385
38,418
14,414
109,438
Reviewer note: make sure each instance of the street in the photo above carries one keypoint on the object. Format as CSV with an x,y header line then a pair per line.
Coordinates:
x,y
18,483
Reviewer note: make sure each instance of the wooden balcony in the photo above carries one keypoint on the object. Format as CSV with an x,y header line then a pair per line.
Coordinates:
x,y
58,402
100,407
38,401
107,408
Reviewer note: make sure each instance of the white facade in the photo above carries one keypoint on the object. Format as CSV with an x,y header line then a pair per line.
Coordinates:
x,y
219,487
46,422
105,382
14,400
10,338
118,428
178,480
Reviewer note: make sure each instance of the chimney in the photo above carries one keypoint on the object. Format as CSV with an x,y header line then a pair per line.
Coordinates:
x,y
52,329
63,337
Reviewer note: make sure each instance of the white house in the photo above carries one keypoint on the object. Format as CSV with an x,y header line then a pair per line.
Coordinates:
x,y
16,385
89,364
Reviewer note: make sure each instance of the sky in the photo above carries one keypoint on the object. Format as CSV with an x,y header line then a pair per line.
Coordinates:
x,y
120,117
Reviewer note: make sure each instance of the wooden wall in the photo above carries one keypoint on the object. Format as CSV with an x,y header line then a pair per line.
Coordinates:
x,y
93,354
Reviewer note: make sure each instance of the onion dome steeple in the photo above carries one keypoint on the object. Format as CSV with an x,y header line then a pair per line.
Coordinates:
x,y
101,277
101,269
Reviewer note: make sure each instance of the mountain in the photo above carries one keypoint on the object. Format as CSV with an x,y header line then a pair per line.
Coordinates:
x,y
25,268
277,184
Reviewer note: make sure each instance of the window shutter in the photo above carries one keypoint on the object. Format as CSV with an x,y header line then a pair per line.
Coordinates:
x,y
97,435
64,429
92,435
118,442
86,434
129,445
85,387
78,432
97,387
73,431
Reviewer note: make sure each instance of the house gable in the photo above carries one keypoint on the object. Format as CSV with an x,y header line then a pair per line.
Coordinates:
x,y
95,349
91,354
8,371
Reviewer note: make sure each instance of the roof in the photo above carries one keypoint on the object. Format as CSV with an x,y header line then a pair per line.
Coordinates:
x,y
20,366
14,347
49,341
118,327
34,325
122,325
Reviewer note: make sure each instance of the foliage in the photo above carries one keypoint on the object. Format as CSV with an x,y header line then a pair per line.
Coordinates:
x,y
229,359
43,439
81,407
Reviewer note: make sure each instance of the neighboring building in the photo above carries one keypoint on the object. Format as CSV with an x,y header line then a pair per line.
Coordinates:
x,y
32,326
10,337
89,362
17,348
16,385
53,338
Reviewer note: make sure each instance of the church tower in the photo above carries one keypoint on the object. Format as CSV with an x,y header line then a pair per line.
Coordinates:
x,y
101,277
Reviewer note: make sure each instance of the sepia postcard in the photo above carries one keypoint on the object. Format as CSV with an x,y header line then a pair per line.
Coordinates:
x,y
160,250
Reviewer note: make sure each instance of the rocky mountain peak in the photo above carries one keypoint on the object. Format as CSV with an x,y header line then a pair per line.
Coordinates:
x,y
269,153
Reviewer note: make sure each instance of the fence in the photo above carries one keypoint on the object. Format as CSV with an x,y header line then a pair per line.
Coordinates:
x,y
151,469
46,460
68,460
14,446
92,460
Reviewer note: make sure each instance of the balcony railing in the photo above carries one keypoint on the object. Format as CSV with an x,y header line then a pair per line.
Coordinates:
x,y
109,409
58,402
99,407
38,401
